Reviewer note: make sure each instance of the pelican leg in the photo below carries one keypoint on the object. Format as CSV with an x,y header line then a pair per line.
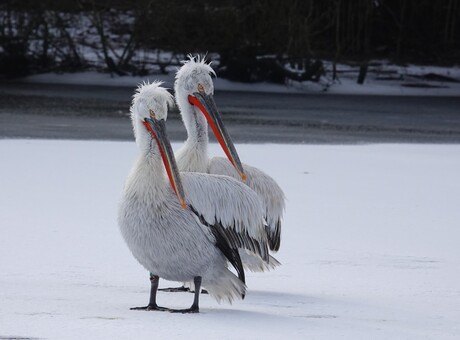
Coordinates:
x,y
154,279
194,308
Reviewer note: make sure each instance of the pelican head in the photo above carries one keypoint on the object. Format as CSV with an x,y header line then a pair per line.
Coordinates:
x,y
194,95
149,111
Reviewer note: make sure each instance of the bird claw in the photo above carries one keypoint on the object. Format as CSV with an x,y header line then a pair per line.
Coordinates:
x,y
152,308
186,311
164,309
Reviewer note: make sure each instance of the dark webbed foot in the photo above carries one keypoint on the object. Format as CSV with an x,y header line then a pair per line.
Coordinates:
x,y
175,289
193,309
152,308
154,279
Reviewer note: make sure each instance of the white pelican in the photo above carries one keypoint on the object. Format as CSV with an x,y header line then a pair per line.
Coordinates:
x,y
194,96
178,237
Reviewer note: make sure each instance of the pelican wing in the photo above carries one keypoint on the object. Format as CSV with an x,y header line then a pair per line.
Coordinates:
x,y
232,210
221,241
269,192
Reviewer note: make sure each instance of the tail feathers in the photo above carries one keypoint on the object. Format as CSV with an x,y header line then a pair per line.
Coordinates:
x,y
274,235
254,263
225,286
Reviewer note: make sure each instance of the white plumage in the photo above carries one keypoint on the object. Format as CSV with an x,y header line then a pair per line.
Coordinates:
x,y
191,243
268,190
193,87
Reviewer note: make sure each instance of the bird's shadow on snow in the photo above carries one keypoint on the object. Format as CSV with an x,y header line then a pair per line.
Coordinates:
x,y
267,306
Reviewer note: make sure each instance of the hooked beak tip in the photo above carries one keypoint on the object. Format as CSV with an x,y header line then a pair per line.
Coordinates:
x,y
243,177
191,99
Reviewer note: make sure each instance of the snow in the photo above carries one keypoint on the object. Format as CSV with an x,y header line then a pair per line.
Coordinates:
x,y
374,85
370,247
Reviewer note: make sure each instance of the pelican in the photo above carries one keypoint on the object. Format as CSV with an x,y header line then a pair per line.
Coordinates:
x,y
190,228
194,91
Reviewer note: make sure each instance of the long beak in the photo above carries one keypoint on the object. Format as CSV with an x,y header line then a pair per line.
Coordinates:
x,y
205,102
158,130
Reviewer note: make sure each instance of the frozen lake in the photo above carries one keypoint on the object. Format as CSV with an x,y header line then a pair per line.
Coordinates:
x,y
100,112
370,247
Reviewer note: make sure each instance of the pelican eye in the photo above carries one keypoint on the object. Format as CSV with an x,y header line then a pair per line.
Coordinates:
x,y
200,88
152,114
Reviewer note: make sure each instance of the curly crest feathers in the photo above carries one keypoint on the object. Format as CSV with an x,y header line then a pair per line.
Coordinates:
x,y
194,65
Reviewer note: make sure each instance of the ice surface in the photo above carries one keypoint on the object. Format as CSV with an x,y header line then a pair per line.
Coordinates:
x,y
370,247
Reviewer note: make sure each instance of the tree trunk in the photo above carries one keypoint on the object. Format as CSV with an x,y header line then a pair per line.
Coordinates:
x,y
362,72
402,15
337,40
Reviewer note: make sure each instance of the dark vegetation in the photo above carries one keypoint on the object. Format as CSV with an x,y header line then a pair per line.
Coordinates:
x,y
270,40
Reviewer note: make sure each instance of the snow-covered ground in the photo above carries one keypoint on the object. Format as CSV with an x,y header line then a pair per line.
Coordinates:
x,y
370,247
400,80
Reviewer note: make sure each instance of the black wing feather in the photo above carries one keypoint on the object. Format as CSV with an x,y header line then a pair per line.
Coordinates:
x,y
222,242
274,237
